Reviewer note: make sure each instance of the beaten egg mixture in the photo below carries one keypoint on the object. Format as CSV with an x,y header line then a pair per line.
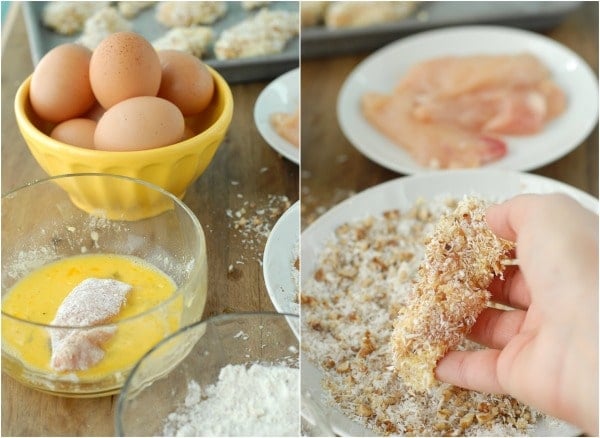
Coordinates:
x,y
38,296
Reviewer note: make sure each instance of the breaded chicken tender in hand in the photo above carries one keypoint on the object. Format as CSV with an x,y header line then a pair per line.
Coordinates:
x,y
462,256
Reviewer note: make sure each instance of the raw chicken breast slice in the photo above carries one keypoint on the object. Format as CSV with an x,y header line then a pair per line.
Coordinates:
x,y
455,75
92,302
439,145
287,125
448,112
513,111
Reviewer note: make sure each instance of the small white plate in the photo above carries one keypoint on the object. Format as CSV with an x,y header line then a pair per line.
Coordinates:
x,y
382,70
402,193
281,250
281,95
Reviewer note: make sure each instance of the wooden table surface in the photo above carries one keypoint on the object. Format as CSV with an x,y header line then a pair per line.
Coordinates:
x,y
332,169
245,173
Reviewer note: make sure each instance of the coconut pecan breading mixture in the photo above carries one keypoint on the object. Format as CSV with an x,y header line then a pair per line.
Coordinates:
x,y
362,277
462,256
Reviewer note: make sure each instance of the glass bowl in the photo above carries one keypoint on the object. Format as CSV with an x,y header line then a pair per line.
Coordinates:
x,y
185,378
43,229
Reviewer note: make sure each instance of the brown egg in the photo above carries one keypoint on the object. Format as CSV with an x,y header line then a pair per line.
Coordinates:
x,y
143,122
124,65
188,133
185,81
95,113
60,85
76,132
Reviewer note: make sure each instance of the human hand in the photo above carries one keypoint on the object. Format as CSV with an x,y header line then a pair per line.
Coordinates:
x,y
545,351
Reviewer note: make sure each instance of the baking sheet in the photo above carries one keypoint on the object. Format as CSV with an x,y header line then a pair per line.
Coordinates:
x,y
42,39
320,41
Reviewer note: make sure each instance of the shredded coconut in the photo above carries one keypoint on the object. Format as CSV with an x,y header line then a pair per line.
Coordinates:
x,y
264,33
362,279
462,256
194,40
259,400
181,14
253,224
312,207
101,24
241,334
68,18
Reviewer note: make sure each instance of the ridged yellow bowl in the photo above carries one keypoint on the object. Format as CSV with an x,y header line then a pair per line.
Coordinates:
x,y
173,167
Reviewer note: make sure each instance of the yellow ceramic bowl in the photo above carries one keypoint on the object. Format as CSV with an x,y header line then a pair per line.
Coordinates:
x,y
173,167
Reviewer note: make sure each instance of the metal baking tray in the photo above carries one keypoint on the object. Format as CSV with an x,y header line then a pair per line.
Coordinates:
x,y
319,41
42,39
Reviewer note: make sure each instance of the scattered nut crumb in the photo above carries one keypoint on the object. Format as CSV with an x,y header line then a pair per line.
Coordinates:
x,y
348,305
253,224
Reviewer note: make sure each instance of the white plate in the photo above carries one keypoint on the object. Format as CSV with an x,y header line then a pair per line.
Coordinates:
x,y
382,70
280,253
402,193
281,95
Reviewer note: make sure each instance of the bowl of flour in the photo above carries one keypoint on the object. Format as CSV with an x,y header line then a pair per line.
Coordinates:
x,y
229,375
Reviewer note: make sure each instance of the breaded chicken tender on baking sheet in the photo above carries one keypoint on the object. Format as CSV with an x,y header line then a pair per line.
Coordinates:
x,y
462,256
342,14
101,24
264,33
130,9
186,13
68,18
194,40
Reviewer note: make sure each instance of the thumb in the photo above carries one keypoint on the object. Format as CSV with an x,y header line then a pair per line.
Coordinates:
x,y
475,370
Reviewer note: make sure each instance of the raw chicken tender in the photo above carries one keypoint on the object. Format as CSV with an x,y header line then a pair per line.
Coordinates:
x,y
451,111
440,145
92,302
287,125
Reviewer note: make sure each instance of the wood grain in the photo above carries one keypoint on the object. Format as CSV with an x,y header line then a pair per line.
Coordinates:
x,y
244,159
332,169
246,172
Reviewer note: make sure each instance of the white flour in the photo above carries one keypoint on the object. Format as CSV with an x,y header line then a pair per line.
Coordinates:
x,y
256,401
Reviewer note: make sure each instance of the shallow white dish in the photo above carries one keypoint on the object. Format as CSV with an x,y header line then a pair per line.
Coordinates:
x,y
402,193
382,70
281,250
281,95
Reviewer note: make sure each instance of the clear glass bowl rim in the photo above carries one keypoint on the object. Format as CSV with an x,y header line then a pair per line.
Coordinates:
x,y
213,319
197,227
